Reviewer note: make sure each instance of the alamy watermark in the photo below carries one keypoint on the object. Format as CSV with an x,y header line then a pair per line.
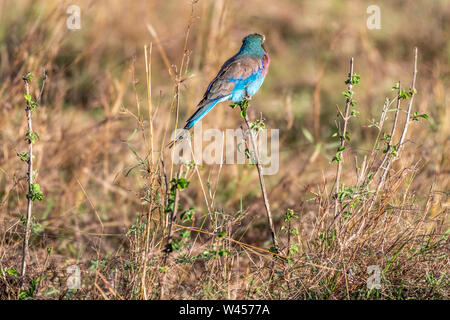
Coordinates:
x,y
74,280
374,20
374,281
73,21
232,146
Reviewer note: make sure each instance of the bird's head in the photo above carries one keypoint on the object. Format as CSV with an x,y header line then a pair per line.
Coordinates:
x,y
253,45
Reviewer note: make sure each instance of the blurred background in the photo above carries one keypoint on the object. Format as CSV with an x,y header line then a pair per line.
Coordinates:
x,y
97,82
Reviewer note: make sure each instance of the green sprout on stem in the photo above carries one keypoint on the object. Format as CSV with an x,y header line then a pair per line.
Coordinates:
x,y
35,192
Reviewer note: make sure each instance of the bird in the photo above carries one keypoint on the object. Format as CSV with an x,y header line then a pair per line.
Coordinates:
x,y
239,78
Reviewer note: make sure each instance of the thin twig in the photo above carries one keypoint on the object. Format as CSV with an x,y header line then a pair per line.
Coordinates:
x,y
408,114
261,183
148,69
29,138
173,215
399,145
386,162
344,132
44,78
30,182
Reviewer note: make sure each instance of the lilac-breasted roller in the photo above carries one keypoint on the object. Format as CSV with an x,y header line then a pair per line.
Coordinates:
x,y
240,78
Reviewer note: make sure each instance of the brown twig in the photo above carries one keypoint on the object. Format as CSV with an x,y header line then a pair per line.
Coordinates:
x,y
386,162
399,146
342,144
148,70
28,111
408,113
173,215
261,183
30,183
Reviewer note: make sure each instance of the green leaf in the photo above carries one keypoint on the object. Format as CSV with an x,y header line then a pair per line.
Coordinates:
x,y
289,215
347,136
416,116
35,192
405,94
135,154
223,252
293,249
186,216
186,234
28,77
243,103
308,135
355,79
132,135
12,272
346,94
273,250
131,169
182,183
24,156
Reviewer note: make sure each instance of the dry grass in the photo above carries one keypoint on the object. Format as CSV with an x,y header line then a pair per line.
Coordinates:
x,y
106,81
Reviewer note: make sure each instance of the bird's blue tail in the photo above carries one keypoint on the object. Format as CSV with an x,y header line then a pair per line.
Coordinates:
x,y
199,114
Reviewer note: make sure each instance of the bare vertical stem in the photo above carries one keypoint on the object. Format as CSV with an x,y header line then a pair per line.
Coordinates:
x,y
386,162
30,182
148,66
148,69
408,114
400,143
263,187
342,144
173,215
147,241
167,248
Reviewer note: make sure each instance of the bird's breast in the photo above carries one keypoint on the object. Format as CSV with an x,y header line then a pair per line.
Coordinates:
x,y
266,62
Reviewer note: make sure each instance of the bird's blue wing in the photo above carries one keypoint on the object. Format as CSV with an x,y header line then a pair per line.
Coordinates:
x,y
231,82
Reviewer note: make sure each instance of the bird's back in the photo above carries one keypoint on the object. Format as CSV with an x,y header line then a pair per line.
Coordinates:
x,y
234,77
